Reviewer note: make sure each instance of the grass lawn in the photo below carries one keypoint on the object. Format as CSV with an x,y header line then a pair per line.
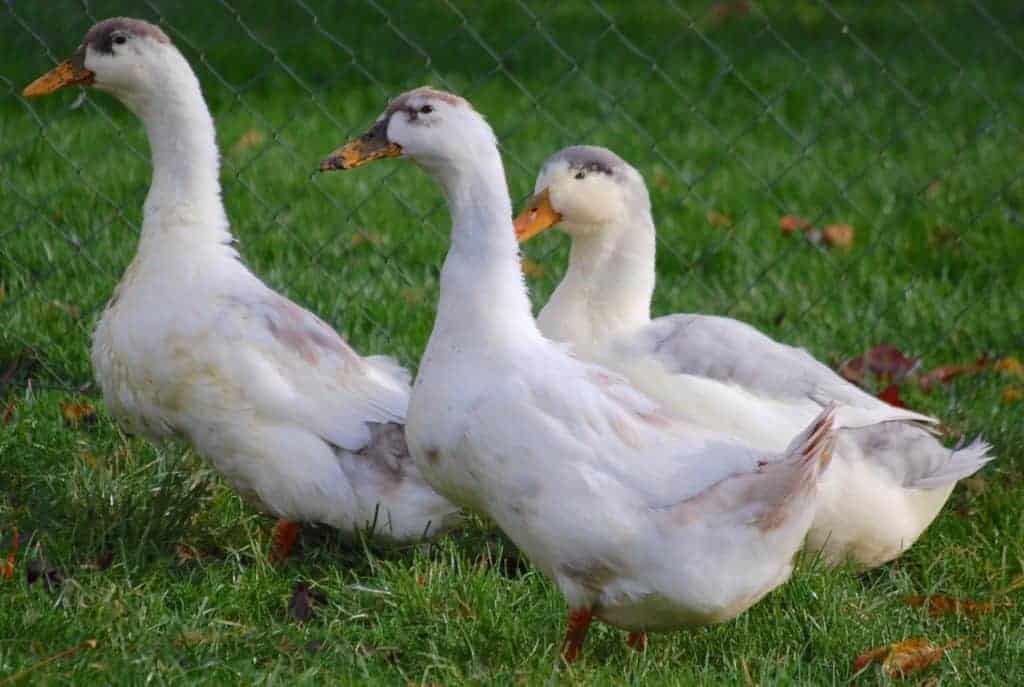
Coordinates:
x,y
899,119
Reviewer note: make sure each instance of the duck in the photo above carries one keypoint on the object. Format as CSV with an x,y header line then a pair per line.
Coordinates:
x,y
643,521
890,476
193,346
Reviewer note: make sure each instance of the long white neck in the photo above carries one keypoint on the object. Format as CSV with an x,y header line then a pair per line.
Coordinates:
x,y
184,202
484,302
608,286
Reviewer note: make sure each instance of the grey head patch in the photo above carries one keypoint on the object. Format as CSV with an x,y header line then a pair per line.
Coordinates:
x,y
403,103
103,37
589,159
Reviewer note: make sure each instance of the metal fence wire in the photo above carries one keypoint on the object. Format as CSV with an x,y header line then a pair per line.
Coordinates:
x,y
899,119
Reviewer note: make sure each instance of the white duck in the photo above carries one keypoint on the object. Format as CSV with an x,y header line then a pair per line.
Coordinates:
x,y
193,345
644,522
890,476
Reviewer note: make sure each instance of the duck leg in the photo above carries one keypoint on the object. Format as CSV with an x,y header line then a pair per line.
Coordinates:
x,y
575,632
637,641
285,534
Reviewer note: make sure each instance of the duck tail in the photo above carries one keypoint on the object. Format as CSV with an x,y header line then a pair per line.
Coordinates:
x,y
814,445
962,462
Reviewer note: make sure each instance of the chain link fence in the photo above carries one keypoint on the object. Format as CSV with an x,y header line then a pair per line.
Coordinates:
x,y
900,120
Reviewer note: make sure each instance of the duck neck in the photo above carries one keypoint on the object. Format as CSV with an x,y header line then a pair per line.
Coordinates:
x,y
483,302
608,285
184,200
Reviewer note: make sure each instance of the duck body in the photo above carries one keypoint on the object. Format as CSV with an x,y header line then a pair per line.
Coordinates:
x,y
890,476
674,543
194,346
642,520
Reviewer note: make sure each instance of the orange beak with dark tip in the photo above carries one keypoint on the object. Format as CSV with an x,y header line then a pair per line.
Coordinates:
x,y
538,216
373,145
64,74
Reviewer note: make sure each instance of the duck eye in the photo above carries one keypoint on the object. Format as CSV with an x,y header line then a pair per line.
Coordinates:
x,y
426,109
120,39
580,175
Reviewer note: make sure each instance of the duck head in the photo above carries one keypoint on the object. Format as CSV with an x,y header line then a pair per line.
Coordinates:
x,y
585,190
127,58
435,129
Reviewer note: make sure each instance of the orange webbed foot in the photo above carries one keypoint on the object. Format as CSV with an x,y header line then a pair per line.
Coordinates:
x,y
285,535
575,633
637,641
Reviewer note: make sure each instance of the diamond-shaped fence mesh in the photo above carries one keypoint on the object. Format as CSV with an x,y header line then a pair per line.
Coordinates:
x,y
901,120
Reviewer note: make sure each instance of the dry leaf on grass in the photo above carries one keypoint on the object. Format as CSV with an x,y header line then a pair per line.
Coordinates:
x,y
8,413
1012,394
728,9
901,659
719,219
1010,366
250,139
369,236
413,295
945,374
884,361
532,269
838,235
791,223
303,600
77,413
940,605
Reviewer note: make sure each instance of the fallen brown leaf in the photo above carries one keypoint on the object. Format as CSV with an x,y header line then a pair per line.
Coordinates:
x,y
366,236
77,413
940,605
303,599
944,374
413,295
838,235
1010,366
791,223
532,269
901,659
884,361
5,417
891,395
1012,394
250,139
719,219
7,567
728,9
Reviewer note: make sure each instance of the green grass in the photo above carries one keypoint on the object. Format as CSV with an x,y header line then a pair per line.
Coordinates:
x,y
780,111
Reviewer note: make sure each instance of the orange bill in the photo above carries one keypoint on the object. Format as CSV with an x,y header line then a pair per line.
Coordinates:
x,y
538,216
64,74
373,145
